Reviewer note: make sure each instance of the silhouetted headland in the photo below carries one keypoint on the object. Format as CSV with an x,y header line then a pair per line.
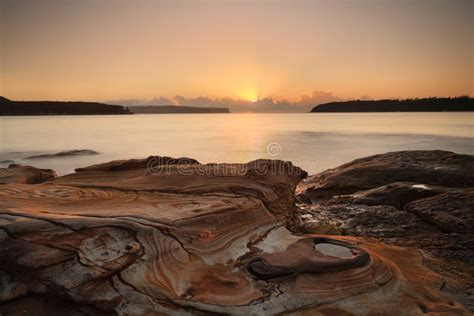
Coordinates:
x,y
175,109
9,107
463,103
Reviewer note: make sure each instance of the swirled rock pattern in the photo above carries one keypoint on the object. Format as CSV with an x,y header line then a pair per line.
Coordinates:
x,y
142,238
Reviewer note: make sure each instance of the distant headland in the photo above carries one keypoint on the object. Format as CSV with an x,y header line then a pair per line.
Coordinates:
x,y
463,103
175,109
9,107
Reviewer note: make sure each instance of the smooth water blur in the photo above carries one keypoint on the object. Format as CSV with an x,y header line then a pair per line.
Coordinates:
x,y
314,141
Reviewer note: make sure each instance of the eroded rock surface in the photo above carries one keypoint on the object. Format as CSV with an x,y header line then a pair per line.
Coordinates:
x,y
419,199
396,194
129,238
153,163
432,167
16,173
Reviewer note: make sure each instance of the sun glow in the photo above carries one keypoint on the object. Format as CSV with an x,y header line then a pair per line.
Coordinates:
x,y
249,94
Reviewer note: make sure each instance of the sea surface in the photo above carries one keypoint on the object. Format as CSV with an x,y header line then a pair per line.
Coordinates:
x,y
313,141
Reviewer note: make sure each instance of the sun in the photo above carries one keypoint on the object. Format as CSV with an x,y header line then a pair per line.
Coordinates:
x,y
249,94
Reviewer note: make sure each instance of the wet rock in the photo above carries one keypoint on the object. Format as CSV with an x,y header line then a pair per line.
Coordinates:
x,y
16,173
372,221
325,226
190,239
67,153
396,194
417,199
436,167
450,212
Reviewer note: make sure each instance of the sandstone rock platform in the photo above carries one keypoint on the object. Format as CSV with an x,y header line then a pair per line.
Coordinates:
x,y
173,236
16,173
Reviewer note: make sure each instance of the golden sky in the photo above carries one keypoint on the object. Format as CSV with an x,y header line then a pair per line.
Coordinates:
x,y
116,49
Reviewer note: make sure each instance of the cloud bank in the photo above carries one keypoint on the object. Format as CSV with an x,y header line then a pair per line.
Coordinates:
x,y
303,104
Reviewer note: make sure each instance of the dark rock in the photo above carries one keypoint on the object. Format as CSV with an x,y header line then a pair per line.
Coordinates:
x,y
68,153
382,221
434,167
47,305
451,212
396,194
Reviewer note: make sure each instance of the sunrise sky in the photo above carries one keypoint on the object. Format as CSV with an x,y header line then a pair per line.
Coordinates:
x,y
113,50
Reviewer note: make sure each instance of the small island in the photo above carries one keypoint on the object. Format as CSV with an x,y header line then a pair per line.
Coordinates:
x,y
9,107
174,109
459,104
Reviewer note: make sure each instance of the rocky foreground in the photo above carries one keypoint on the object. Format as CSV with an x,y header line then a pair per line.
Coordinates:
x,y
416,199
173,236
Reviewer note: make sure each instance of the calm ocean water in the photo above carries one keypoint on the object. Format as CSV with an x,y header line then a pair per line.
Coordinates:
x,y
314,142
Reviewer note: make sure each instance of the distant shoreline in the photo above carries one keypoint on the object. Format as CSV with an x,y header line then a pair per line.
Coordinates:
x,y
38,108
458,104
175,109
64,108
51,108
238,113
